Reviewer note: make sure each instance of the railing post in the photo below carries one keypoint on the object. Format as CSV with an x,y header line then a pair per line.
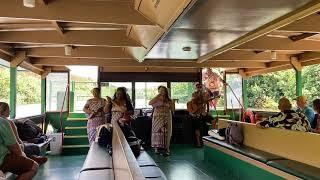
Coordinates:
x,y
245,93
13,92
298,83
43,95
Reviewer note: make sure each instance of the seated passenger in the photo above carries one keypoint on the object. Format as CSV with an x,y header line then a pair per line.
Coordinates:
x,y
12,159
302,103
316,123
26,147
287,118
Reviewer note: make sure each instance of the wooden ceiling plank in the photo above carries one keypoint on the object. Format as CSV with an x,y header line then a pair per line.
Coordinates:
x,y
308,56
280,44
80,52
300,13
309,24
134,63
6,49
98,12
77,38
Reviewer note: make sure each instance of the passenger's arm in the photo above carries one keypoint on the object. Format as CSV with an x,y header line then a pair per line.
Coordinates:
x,y
14,129
155,100
86,108
15,149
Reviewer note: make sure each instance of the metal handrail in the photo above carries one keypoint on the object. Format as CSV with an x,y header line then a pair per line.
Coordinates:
x,y
61,111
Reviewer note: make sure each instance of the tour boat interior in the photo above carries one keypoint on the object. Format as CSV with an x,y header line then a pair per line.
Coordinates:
x,y
146,43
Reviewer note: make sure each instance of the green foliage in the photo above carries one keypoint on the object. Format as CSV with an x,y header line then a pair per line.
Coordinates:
x,y
264,91
182,91
4,84
28,88
311,82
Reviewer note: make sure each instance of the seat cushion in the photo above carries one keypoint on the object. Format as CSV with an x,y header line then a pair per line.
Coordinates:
x,y
105,174
245,150
152,172
145,160
97,158
296,168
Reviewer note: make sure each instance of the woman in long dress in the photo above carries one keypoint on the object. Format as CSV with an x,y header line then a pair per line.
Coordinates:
x,y
95,108
161,121
120,106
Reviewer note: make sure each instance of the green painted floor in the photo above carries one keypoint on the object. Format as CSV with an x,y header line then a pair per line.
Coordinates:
x,y
185,162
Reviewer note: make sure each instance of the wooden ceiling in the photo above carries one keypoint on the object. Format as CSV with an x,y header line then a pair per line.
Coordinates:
x,y
161,35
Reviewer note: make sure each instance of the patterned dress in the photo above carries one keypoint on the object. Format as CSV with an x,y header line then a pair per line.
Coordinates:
x,y
288,120
97,119
161,126
117,112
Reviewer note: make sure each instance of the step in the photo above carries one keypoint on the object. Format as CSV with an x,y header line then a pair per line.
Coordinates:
x,y
76,140
76,122
77,115
77,119
75,149
76,130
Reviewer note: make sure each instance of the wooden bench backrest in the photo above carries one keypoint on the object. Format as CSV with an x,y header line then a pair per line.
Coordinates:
x,y
124,162
299,146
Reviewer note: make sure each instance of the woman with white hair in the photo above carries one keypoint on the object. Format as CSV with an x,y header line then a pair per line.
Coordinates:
x,y
287,118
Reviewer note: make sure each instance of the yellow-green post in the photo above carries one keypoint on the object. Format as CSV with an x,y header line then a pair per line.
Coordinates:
x,y
245,93
298,83
13,92
43,95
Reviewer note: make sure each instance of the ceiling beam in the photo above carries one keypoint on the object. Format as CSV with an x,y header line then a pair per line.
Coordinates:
x,y
80,52
271,67
280,44
77,38
27,65
99,12
238,55
18,59
309,24
46,72
302,36
148,63
296,64
308,56
309,63
58,27
302,12
6,49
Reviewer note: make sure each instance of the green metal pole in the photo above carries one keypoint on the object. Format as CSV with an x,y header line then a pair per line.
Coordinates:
x,y
13,92
43,96
245,93
298,83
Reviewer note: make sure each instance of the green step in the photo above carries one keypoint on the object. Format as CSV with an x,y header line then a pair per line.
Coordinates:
x,y
76,122
75,149
77,115
76,130
76,140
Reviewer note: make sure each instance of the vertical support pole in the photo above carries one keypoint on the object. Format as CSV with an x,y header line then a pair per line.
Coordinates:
x,y
133,95
245,93
13,92
298,83
43,96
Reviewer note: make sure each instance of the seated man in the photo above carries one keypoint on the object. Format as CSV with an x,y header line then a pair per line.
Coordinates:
x,y
28,148
287,118
302,103
12,159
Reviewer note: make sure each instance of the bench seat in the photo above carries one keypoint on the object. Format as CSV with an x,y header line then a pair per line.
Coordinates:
x,y
145,160
149,168
104,174
296,168
97,158
255,154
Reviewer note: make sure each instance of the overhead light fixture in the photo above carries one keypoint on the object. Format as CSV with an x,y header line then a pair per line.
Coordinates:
x,y
68,50
186,48
29,3
273,55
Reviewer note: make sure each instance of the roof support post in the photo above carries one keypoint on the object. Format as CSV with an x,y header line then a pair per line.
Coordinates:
x,y
299,84
13,91
43,95
245,93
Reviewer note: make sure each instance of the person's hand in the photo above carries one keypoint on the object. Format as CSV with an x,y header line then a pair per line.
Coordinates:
x,y
108,99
